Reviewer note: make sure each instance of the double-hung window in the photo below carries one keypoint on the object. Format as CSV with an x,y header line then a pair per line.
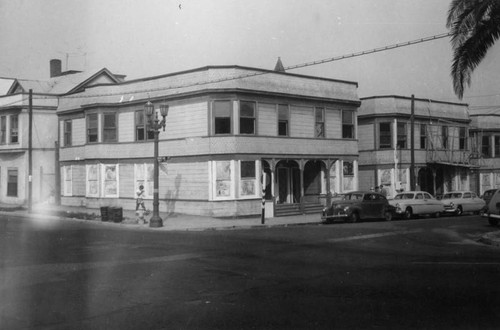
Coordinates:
x,y
283,118
385,136
92,127
423,136
14,129
462,139
247,117
496,141
12,182
3,129
485,146
142,131
402,135
319,115
248,178
444,136
67,132
109,127
348,124
222,117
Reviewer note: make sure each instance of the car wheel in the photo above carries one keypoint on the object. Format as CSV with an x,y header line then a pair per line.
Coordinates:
x,y
388,215
354,217
408,213
459,211
493,221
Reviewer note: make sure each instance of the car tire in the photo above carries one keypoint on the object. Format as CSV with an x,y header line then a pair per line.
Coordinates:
x,y
493,221
388,216
408,213
459,211
353,217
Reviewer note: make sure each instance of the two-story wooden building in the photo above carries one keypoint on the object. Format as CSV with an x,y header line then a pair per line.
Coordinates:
x,y
16,151
485,142
226,126
441,149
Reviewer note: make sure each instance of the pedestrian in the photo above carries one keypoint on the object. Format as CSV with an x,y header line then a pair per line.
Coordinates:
x,y
140,198
383,191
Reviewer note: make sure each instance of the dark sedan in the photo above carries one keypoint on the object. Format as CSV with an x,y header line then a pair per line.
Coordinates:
x,y
359,205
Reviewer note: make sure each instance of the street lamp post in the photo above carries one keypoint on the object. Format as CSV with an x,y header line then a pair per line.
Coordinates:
x,y
155,124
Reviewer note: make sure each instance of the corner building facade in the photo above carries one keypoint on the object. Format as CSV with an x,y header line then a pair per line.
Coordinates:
x,y
233,134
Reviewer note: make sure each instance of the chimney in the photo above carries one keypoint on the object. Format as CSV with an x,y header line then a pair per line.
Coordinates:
x,y
55,68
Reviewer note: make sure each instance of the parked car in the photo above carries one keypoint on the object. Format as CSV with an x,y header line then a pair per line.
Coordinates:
x,y
487,197
458,202
493,208
411,203
359,205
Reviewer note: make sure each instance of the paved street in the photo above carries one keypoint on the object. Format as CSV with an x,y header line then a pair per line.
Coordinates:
x,y
420,274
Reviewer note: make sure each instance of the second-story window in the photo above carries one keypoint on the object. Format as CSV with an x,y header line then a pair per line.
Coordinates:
x,y
444,136
348,124
462,139
222,117
319,131
3,130
247,117
385,136
109,128
402,136
423,136
92,128
67,132
142,131
485,146
14,129
496,141
283,118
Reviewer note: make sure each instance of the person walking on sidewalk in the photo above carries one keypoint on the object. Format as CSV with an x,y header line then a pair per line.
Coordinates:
x,y
140,194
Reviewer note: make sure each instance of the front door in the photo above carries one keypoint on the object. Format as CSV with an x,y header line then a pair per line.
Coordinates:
x,y
288,185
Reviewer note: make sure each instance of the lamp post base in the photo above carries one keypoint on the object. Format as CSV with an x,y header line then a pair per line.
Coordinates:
x,y
155,221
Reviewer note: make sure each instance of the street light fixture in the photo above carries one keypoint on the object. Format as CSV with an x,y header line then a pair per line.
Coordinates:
x,y
155,124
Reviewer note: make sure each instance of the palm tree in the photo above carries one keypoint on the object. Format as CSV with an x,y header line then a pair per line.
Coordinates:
x,y
474,27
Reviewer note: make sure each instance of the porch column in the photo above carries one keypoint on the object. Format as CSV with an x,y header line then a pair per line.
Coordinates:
x,y
434,180
301,170
327,178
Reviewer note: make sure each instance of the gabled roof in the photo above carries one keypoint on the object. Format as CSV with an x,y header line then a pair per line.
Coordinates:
x,y
5,85
71,82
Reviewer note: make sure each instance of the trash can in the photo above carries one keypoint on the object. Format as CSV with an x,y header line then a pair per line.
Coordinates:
x,y
116,214
104,213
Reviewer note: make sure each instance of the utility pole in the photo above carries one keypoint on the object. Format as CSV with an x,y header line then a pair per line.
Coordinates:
x,y
412,142
30,151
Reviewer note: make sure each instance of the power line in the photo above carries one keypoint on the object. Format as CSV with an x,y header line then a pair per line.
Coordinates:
x,y
297,66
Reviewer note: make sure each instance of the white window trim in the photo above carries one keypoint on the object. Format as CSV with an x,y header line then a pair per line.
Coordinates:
x,y
103,181
257,183
87,182
214,181
144,181
66,180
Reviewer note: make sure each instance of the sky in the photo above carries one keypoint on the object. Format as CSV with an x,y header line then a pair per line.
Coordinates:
x,y
142,38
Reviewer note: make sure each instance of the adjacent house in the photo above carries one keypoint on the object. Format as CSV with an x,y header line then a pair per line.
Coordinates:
x,y
485,141
26,150
232,135
442,157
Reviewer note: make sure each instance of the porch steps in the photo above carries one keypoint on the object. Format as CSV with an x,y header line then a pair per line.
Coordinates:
x,y
283,210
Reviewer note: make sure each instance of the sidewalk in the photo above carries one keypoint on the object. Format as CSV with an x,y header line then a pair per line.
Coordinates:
x,y
170,222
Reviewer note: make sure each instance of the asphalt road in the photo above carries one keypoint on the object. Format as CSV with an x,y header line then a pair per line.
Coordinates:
x,y
418,274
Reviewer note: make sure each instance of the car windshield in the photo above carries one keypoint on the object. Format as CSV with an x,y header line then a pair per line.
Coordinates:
x,y
355,196
488,193
452,195
404,196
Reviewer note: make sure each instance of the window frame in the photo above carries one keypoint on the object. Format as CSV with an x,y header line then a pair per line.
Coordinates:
x,y
245,119
496,143
486,153
380,135
14,129
68,180
110,180
113,130
12,186
444,136
423,136
319,124
283,119
68,133
402,136
148,134
248,184
217,122
92,131
351,125
3,129
462,138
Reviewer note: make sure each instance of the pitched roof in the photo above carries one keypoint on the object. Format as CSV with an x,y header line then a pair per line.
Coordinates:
x,y
65,84
279,66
